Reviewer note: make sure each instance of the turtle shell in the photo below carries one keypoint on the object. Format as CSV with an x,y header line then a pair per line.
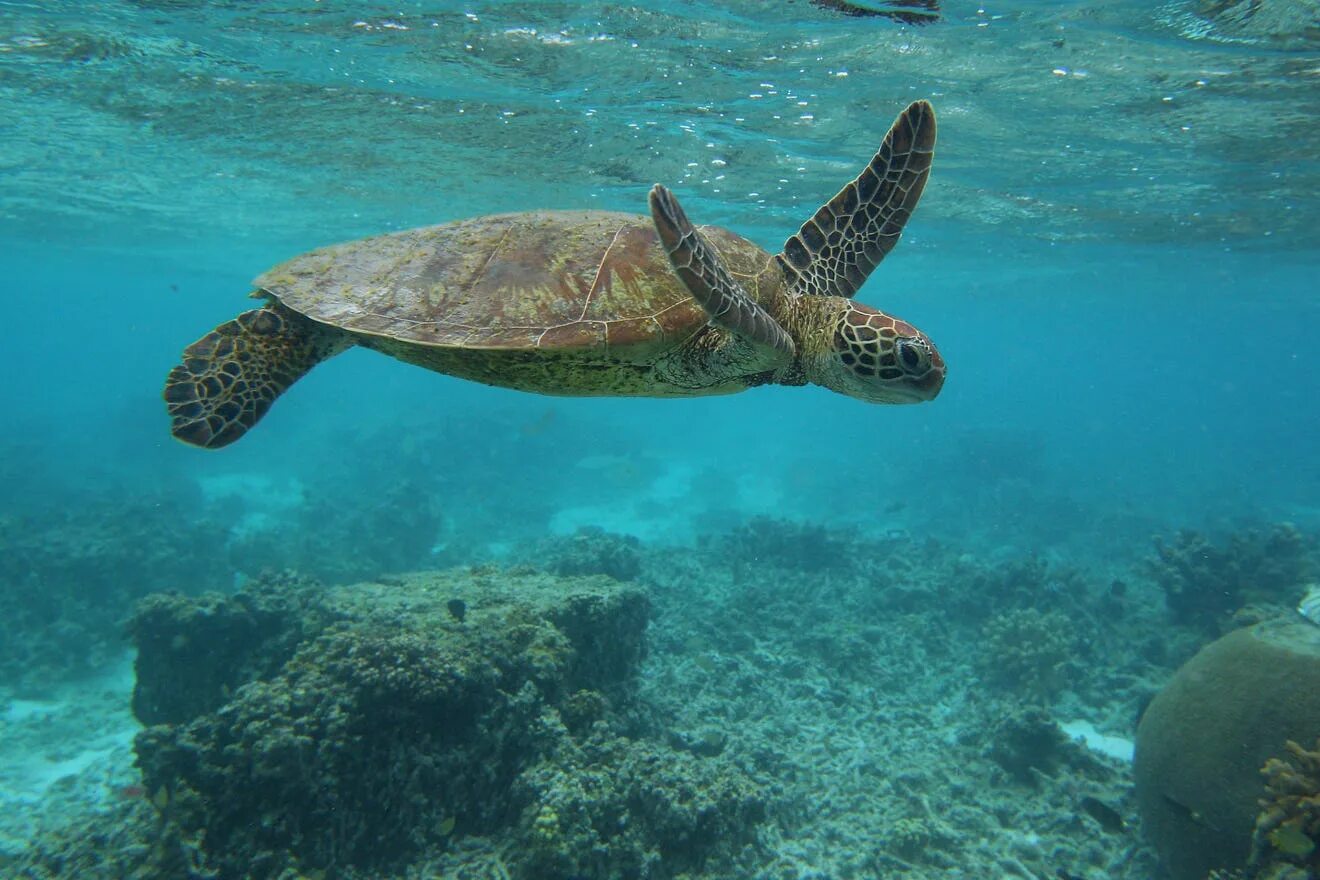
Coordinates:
x,y
550,280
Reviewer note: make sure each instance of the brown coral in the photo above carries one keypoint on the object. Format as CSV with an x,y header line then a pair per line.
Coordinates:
x,y
1205,581
1288,828
1027,651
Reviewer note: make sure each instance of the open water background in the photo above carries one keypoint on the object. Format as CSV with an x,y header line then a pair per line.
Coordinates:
x,y
1117,252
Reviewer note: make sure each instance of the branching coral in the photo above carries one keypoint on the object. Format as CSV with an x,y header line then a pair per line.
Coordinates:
x,y
1204,581
1288,828
1028,651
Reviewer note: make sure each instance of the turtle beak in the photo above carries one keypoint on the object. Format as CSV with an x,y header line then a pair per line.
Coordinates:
x,y
928,387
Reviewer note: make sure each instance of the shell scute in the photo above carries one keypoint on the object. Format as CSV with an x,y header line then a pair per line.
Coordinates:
x,y
579,334
555,280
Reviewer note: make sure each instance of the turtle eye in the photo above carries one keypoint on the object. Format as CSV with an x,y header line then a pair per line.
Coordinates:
x,y
913,354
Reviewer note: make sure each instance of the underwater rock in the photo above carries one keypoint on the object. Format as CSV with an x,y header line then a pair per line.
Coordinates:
x,y
393,730
1203,739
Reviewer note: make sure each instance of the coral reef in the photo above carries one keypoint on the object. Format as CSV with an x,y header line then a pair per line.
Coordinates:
x,y
386,729
1028,652
1286,840
764,542
892,760
194,652
1205,581
590,550
1285,844
618,808
1205,736
72,568
787,721
911,837
1026,741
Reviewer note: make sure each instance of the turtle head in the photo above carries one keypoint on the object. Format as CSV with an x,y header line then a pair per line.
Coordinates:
x,y
880,359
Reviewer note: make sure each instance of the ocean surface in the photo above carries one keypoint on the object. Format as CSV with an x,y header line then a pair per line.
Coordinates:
x,y
1118,255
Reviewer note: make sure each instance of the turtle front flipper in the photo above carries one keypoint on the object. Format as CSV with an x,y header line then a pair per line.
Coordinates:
x,y
231,376
834,252
704,273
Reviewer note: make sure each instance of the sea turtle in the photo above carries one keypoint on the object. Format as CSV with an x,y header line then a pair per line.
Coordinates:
x,y
588,303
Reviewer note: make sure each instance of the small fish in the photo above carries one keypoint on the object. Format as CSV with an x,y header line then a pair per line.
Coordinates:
x,y
1109,819
457,609
1191,814
1309,607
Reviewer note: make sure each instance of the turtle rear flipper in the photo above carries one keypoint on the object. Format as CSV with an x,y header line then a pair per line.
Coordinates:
x,y
834,252
711,285
231,376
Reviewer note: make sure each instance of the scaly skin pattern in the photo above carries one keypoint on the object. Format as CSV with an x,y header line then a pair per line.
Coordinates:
x,y
834,252
588,303
231,376
859,351
840,344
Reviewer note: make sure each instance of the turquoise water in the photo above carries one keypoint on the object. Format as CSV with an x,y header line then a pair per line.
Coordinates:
x,y
1117,255
1116,252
